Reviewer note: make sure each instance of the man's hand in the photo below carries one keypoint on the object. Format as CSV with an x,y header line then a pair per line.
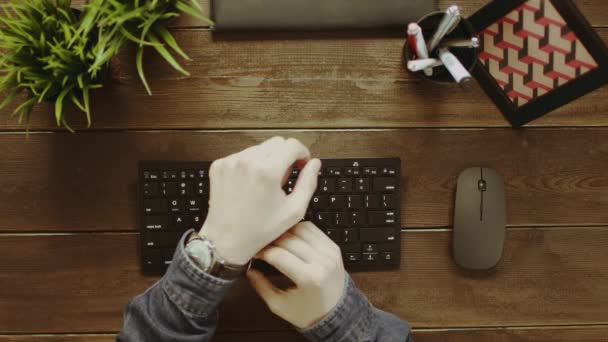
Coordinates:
x,y
314,263
248,209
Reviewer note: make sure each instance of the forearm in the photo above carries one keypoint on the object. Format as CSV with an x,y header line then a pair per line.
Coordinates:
x,y
355,319
181,306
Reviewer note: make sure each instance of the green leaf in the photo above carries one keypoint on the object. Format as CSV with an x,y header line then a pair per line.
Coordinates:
x,y
85,96
26,106
190,10
10,98
64,122
168,38
139,63
59,104
166,55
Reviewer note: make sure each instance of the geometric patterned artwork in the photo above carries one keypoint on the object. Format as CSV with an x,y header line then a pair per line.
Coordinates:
x,y
531,51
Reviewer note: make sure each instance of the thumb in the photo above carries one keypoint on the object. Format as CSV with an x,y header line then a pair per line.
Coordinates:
x,y
306,184
265,289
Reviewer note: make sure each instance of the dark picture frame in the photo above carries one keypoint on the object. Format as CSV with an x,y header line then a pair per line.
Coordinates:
x,y
541,105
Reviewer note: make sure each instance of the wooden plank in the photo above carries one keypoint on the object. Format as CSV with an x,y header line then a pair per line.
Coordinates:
x,y
592,9
535,334
293,81
68,182
547,276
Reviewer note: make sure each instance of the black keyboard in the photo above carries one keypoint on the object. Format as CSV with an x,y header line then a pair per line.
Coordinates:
x,y
357,204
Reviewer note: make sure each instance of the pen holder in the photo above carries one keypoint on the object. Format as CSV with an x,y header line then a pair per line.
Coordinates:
x,y
467,56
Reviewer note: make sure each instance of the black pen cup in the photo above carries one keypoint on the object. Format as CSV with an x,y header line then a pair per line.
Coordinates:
x,y
467,56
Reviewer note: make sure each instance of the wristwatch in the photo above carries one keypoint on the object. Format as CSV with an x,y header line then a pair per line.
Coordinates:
x,y
202,251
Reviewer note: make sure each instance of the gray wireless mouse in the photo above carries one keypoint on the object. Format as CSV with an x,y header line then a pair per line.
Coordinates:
x,y
480,217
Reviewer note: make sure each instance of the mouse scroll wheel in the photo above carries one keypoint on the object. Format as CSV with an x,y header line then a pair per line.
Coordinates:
x,y
481,185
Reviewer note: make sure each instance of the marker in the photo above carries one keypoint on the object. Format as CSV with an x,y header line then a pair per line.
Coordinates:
x,y
458,71
448,23
417,44
421,64
460,43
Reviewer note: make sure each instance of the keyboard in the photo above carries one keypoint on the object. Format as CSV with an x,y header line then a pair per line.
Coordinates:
x,y
357,204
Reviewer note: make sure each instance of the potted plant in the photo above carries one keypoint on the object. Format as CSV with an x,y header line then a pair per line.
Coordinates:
x,y
145,24
51,53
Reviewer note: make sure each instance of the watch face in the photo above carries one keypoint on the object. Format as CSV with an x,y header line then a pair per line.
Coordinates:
x,y
201,253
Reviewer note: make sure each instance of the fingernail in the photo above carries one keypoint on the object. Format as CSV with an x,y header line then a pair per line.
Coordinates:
x,y
316,164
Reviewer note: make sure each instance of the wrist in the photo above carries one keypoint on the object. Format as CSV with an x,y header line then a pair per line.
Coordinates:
x,y
225,246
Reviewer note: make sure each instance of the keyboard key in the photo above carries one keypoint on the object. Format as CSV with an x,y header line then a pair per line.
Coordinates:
x,y
370,257
197,221
381,218
357,218
370,248
322,220
384,184
181,222
151,258
333,234
177,206
191,174
361,184
340,219
334,171
160,239
337,202
290,185
326,185
168,189
185,189
388,256
389,171
389,201
151,189
153,175
350,235
352,171
183,175
202,173
156,222
173,175
167,256
194,205
146,175
352,257
320,202
155,206
345,185
370,171
372,201
377,234
353,201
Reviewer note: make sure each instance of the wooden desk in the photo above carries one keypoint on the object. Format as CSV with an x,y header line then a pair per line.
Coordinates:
x,y
68,239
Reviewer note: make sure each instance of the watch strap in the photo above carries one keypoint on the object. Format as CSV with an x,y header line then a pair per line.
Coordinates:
x,y
219,267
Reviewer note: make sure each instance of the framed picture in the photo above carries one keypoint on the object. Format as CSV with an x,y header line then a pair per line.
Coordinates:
x,y
537,55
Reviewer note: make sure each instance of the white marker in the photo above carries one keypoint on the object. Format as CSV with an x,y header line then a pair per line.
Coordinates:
x,y
448,23
460,43
422,64
460,74
418,44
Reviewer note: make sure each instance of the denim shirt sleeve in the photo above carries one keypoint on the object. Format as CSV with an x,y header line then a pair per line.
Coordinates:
x,y
355,319
180,307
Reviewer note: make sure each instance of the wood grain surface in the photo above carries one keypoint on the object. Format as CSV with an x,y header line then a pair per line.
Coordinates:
x,y
551,334
67,182
547,276
298,80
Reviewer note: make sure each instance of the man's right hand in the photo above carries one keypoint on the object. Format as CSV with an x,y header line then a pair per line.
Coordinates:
x,y
313,262
248,208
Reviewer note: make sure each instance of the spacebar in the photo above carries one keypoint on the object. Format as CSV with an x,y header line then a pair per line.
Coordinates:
x,y
377,234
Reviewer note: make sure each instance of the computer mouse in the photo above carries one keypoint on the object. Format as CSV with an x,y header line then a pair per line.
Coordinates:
x,y
480,217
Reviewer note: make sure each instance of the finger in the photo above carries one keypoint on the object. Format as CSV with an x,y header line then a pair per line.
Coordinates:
x,y
284,261
316,238
265,288
298,247
305,186
291,151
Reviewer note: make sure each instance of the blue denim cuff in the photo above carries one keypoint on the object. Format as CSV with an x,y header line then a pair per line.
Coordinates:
x,y
194,292
352,316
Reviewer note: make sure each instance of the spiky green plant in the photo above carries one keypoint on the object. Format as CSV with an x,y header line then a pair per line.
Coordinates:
x,y
144,22
51,53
